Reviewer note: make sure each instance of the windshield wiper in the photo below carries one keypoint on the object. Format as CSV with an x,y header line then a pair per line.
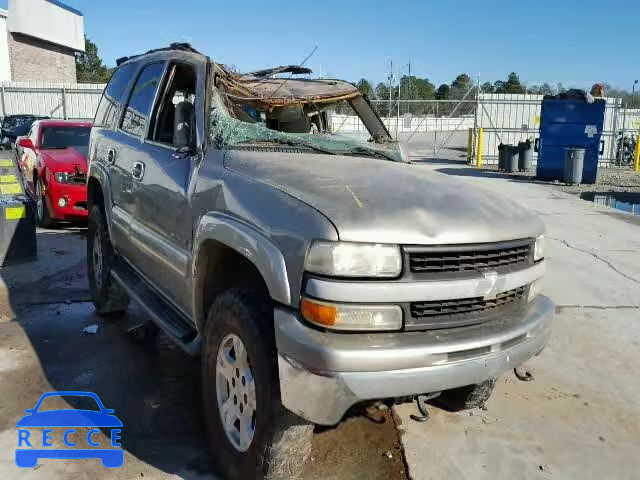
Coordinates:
x,y
52,148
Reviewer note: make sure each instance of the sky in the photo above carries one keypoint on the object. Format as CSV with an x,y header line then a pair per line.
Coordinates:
x,y
573,42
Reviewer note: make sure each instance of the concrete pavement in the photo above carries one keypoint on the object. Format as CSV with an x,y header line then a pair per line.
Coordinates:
x,y
580,417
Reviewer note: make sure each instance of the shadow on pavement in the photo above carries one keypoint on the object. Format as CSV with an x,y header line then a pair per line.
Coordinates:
x,y
152,385
479,173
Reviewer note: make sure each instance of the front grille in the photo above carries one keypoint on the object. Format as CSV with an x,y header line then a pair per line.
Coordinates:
x,y
463,259
444,309
78,178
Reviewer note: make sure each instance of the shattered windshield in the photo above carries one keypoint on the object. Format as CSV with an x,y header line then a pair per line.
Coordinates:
x,y
330,127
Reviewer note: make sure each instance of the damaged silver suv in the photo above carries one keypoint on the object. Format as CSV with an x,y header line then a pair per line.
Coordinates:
x,y
310,270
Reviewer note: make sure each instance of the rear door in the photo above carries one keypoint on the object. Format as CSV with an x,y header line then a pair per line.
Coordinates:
x,y
103,149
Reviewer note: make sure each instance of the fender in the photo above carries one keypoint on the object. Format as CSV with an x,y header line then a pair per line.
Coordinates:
x,y
250,243
98,171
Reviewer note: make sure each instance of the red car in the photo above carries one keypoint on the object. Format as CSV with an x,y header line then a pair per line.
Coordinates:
x,y
53,158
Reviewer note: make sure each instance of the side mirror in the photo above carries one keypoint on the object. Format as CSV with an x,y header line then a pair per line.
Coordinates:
x,y
26,143
185,151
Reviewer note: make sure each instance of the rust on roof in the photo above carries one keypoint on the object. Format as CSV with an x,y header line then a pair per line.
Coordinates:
x,y
264,90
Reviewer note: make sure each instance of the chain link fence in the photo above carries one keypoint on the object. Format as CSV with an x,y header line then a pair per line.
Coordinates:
x,y
443,129
431,128
448,129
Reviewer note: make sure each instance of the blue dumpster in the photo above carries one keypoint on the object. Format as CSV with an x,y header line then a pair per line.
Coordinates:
x,y
569,123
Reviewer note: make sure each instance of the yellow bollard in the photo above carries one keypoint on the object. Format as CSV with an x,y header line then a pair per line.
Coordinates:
x,y
470,145
480,147
636,158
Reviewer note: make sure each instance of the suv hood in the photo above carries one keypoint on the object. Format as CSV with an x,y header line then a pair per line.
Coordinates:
x,y
371,200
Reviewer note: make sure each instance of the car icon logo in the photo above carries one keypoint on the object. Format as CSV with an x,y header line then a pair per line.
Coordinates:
x,y
28,453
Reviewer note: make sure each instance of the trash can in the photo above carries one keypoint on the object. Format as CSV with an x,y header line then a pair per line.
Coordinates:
x,y
17,217
573,165
511,158
501,157
525,156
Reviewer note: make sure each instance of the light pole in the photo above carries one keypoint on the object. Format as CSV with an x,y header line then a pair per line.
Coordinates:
x,y
633,92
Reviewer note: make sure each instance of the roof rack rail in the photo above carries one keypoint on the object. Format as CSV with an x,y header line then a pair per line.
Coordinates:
x,y
181,46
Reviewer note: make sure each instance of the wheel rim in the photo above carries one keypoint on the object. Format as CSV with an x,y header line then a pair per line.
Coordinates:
x,y
39,201
236,393
97,259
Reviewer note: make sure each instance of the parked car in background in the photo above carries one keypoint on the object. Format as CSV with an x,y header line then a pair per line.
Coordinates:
x,y
54,164
14,126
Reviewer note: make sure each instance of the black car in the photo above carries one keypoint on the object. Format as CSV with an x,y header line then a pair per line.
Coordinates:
x,y
14,126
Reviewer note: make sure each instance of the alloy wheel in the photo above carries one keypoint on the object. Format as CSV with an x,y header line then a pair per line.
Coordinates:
x,y
236,392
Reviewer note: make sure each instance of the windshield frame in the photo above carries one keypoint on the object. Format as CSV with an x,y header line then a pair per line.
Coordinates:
x,y
227,131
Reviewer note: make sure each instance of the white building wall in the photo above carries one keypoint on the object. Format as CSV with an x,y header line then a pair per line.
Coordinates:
x,y
48,21
5,65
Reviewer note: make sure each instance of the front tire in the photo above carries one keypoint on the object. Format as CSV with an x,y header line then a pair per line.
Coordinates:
x,y
251,433
44,219
107,295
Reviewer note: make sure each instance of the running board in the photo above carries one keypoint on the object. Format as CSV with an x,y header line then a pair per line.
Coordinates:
x,y
168,318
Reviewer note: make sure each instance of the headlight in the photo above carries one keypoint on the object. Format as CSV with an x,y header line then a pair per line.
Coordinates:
x,y
538,249
341,316
343,259
63,177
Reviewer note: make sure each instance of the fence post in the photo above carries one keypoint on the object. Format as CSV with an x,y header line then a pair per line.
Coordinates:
x,y
435,132
470,146
636,157
4,108
480,147
475,120
64,103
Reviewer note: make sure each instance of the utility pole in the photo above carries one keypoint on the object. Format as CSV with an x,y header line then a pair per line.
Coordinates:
x,y
390,78
409,97
398,105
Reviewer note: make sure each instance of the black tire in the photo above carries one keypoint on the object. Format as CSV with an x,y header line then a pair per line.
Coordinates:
x,y
107,295
44,219
282,441
466,398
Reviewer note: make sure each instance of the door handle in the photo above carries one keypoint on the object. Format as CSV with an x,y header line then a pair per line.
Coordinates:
x,y
138,171
111,156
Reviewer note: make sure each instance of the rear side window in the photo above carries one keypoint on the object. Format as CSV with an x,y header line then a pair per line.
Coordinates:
x,y
113,95
136,115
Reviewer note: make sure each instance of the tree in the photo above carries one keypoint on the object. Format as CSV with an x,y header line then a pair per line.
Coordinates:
x,y
544,89
89,66
364,86
498,86
462,82
415,88
382,91
513,85
488,87
443,92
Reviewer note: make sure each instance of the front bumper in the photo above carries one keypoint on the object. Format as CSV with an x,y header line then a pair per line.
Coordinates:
x,y
323,374
76,196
